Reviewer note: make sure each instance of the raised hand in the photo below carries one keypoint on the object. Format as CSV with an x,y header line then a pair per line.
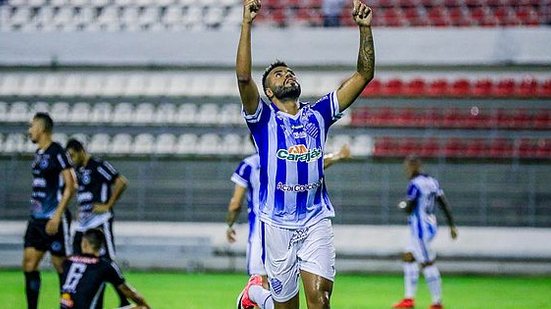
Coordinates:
x,y
362,14
250,9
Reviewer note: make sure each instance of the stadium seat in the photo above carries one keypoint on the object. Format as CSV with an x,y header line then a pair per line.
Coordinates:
x,y
454,147
542,119
4,107
483,88
232,144
123,113
81,137
187,114
505,88
14,143
187,144
72,86
80,113
230,114
165,144
19,112
209,144
100,143
31,84
392,87
362,145
144,113
373,89
385,147
143,144
121,144
460,88
61,138
101,113
430,148
528,88
60,111
53,85
165,114
39,106
438,88
11,84
501,148
93,85
415,87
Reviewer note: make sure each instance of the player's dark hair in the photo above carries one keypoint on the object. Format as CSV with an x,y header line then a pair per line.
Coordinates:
x,y
75,145
95,238
273,65
46,121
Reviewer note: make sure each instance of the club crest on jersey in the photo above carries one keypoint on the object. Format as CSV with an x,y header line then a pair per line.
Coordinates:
x,y
299,153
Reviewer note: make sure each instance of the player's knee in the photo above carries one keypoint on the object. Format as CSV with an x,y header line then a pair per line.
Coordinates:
x,y
29,264
320,299
426,264
408,257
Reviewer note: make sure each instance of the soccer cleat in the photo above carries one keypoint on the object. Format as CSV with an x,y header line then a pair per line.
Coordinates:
x,y
243,300
405,303
436,306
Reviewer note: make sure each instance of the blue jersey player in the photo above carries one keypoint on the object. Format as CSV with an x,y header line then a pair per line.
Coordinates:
x,y
290,138
48,226
247,182
422,193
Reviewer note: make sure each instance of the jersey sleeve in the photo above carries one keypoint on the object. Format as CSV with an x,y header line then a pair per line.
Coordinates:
x,y
242,175
328,107
107,171
62,160
439,191
413,192
261,115
114,274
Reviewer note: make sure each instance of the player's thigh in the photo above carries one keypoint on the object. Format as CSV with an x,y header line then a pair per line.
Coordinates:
x,y
281,262
317,252
292,303
255,251
57,262
60,243
420,248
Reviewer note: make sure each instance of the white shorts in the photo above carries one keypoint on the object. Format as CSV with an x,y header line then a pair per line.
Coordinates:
x,y
288,251
255,251
421,236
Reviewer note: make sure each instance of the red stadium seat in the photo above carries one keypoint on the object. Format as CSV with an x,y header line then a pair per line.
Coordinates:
x,y
505,88
483,88
438,88
477,148
544,91
407,117
385,147
460,88
504,119
430,148
543,148
393,87
527,148
454,148
415,87
522,119
528,87
501,148
373,89
542,119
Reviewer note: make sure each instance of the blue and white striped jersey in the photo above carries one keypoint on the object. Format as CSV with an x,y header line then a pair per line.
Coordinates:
x,y
292,189
423,190
247,175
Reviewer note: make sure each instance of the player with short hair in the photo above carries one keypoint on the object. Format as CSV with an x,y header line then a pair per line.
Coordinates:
x,y
423,190
247,182
99,188
86,274
48,226
290,137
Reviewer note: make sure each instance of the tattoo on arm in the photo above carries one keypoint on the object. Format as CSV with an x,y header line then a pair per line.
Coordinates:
x,y
366,56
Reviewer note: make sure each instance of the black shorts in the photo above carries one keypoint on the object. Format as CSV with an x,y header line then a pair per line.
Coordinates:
x,y
108,248
58,244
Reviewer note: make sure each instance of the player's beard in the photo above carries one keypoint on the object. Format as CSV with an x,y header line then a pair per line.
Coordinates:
x,y
287,92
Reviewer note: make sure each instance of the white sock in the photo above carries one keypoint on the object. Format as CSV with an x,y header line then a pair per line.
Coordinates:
x,y
261,296
432,277
411,276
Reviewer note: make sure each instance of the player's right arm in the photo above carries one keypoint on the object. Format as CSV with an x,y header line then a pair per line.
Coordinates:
x,y
133,294
248,91
234,208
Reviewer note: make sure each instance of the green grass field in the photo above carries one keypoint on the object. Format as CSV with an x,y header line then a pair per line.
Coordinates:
x,y
190,291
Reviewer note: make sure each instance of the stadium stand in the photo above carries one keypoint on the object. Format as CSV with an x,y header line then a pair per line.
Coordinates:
x,y
122,15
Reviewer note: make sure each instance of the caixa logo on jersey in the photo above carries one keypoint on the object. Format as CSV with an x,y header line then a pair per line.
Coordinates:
x,y
299,153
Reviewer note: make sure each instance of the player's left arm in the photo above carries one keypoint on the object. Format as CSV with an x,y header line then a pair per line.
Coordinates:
x,y
351,88
331,158
443,202
69,177
133,294
118,188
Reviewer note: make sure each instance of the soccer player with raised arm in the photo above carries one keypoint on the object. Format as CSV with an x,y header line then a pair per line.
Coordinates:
x,y
290,137
423,190
85,276
48,226
99,187
247,182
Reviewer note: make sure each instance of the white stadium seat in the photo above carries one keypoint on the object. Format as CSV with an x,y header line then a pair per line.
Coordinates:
x,y
14,143
3,111
144,113
32,84
362,146
10,84
187,113
83,138
209,144
101,113
157,85
121,144
208,113
60,112
99,143
61,138
165,113
39,106
143,144
187,144
53,85
165,144
114,86
230,113
232,144
19,112
80,112
123,113
93,85
73,85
